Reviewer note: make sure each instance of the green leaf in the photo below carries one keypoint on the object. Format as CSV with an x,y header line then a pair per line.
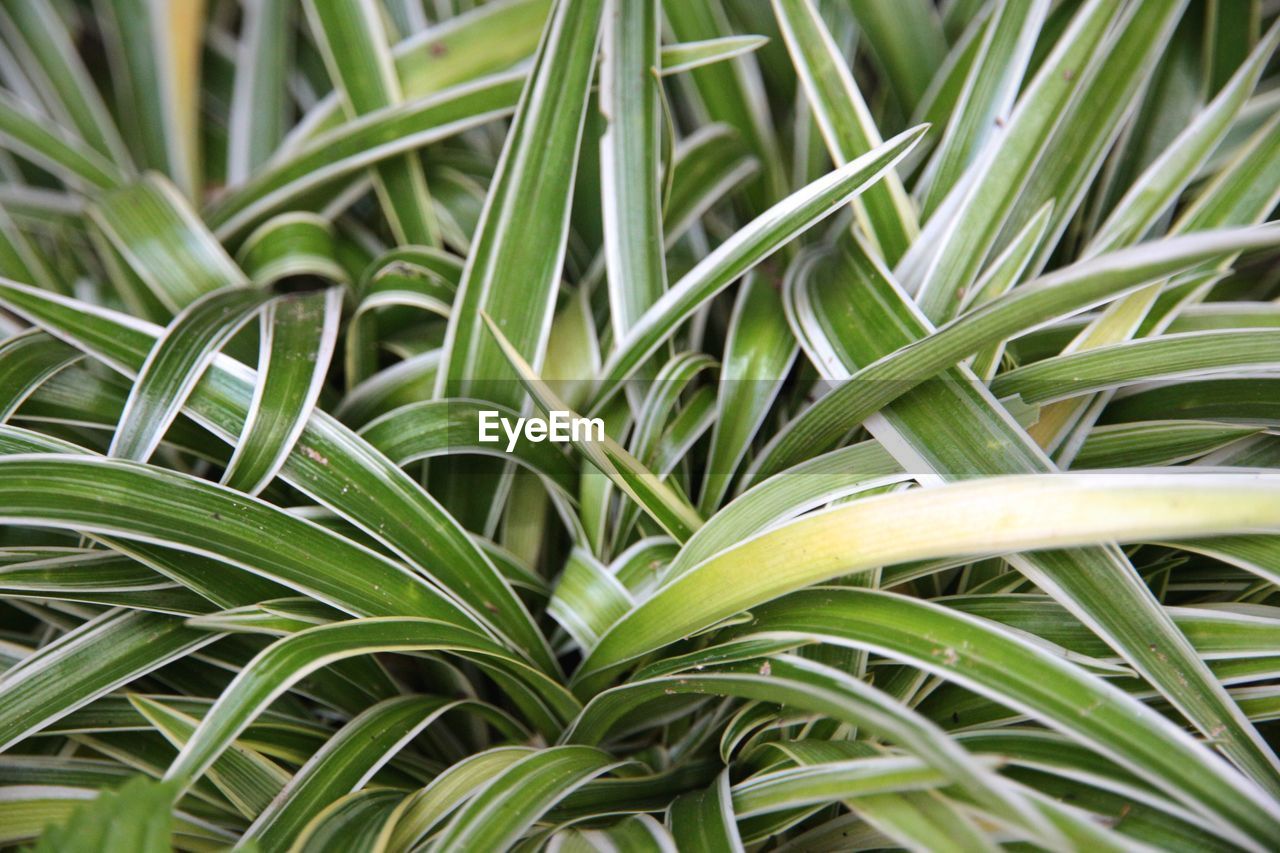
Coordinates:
x,y
40,36
731,92
416,277
259,100
96,658
175,364
1155,442
462,49
843,538
346,763
1064,291
26,361
352,147
520,793
327,459
155,54
686,56
907,40
1167,356
801,684
297,340
708,165
424,809
987,98
513,269
291,244
758,353
165,243
249,780
351,36
134,818
54,148
219,523
640,833
1157,188
631,160
748,247
291,658
588,598
956,429
1014,672
1048,121
993,565
358,819
884,211
705,820
658,499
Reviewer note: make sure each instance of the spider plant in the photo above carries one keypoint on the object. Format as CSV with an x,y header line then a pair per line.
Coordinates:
x,y
935,350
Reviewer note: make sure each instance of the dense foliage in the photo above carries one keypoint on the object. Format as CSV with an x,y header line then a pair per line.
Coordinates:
x,y
937,349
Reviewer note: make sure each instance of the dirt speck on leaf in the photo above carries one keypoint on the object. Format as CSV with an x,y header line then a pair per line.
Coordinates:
x,y
315,455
